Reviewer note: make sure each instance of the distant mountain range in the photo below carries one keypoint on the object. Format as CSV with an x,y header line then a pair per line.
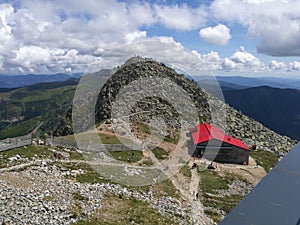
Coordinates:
x,y
15,81
25,107
278,109
238,82
274,102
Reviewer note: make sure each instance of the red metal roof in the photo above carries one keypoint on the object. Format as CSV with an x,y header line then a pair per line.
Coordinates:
x,y
205,132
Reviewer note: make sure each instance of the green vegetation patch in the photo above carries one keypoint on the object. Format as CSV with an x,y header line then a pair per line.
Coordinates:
x,y
104,138
164,188
109,139
89,175
79,197
130,156
74,155
225,203
214,215
144,128
123,211
34,104
173,139
186,171
160,153
30,152
146,162
211,182
18,129
265,159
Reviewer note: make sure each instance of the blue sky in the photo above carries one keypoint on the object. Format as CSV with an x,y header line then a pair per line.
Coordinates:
x,y
221,37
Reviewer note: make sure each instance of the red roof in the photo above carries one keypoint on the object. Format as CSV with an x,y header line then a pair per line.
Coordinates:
x,y
205,132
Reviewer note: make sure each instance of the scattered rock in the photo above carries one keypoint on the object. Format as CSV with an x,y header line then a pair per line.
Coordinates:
x,y
48,197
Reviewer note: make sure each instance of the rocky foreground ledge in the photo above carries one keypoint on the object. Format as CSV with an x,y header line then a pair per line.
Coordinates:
x,y
37,188
41,194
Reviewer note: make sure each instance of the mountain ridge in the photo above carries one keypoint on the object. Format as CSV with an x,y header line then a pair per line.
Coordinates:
x,y
251,81
274,107
236,123
16,81
59,121
181,199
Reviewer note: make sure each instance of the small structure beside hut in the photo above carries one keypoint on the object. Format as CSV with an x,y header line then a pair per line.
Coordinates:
x,y
210,142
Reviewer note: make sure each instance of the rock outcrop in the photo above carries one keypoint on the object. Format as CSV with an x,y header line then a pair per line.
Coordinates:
x,y
210,109
41,194
224,116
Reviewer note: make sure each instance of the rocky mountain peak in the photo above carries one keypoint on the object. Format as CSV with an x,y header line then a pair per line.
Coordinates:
x,y
135,59
209,109
138,68
233,122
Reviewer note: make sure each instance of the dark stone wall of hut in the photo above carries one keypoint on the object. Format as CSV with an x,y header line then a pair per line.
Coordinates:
x,y
218,151
236,155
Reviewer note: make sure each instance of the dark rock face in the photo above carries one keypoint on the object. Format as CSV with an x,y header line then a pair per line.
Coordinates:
x,y
62,123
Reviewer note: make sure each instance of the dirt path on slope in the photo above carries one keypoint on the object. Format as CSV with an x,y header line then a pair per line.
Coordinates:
x,y
189,194
197,214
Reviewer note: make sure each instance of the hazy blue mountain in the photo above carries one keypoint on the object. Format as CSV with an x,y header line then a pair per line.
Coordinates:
x,y
287,82
276,108
15,81
238,82
212,85
251,81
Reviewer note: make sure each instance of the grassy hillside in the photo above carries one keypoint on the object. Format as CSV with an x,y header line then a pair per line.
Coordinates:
x,y
23,109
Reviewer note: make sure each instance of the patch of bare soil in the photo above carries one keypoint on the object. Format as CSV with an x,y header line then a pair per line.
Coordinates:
x,y
109,208
183,181
108,130
16,179
170,147
252,172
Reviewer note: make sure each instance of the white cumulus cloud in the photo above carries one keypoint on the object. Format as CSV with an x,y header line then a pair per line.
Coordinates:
x,y
130,37
275,65
213,60
54,36
295,65
228,64
218,35
180,17
6,11
275,22
32,32
244,61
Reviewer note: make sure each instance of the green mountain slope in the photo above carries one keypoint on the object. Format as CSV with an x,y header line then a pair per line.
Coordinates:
x,y
22,109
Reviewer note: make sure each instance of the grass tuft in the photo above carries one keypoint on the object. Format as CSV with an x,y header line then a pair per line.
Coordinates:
x,y
265,159
132,211
30,152
211,182
130,156
160,153
186,171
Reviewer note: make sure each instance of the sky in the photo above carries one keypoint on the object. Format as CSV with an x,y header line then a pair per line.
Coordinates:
x,y
220,37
